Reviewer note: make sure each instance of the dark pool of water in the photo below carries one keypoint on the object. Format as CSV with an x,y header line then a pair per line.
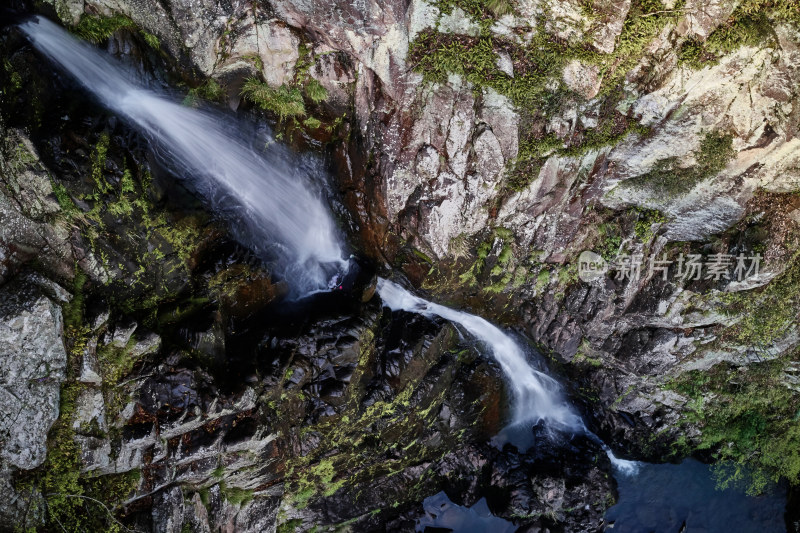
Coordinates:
x,y
441,513
667,498
660,498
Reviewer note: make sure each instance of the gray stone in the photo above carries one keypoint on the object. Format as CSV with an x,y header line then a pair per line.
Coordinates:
x,y
32,366
168,511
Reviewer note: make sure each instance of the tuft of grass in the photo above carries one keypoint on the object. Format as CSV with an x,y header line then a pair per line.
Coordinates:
x,y
97,29
256,60
312,123
315,91
235,495
64,199
209,90
284,101
99,164
151,40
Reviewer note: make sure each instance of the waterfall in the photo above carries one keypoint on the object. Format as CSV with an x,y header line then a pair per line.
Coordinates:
x,y
536,396
274,211
281,215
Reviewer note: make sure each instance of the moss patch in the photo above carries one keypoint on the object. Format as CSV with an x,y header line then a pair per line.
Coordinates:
x,y
75,501
97,29
285,101
750,24
668,179
750,419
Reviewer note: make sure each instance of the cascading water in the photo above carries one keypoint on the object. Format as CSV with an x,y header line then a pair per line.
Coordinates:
x,y
537,396
286,220
283,217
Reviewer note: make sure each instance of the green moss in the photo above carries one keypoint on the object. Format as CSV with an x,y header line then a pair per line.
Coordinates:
x,y
285,102
61,474
436,55
611,240
98,159
312,123
536,89
256,60
97,29
14,79
748,418
645,20
74,309
766,314
315,91
290,526
750,24
236,496
209,90
115,362
75,501
348,456
645,220
151,40
668,179
68,207
422,256
166,239
113,488
538,64
716,149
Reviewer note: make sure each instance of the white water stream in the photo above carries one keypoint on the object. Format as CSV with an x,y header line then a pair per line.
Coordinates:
x,y
286,219
537,396
278,206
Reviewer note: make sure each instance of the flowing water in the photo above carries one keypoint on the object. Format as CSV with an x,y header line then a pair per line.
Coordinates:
x,y
537,396
279,213
652,497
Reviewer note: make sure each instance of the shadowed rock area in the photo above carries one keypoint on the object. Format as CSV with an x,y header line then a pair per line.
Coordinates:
x,y
154,376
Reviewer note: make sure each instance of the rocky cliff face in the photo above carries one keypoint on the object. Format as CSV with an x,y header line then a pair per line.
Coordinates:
x,y
479,148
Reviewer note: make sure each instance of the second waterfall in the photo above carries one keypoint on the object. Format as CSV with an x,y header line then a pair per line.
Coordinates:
x,y
537,396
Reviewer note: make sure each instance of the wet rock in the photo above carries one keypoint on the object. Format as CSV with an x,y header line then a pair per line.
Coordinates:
x,y
438,156
702,18
90,370
26,178
168,511
32,368
121,335
442,513
24,202
333,71
458,22
272,42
